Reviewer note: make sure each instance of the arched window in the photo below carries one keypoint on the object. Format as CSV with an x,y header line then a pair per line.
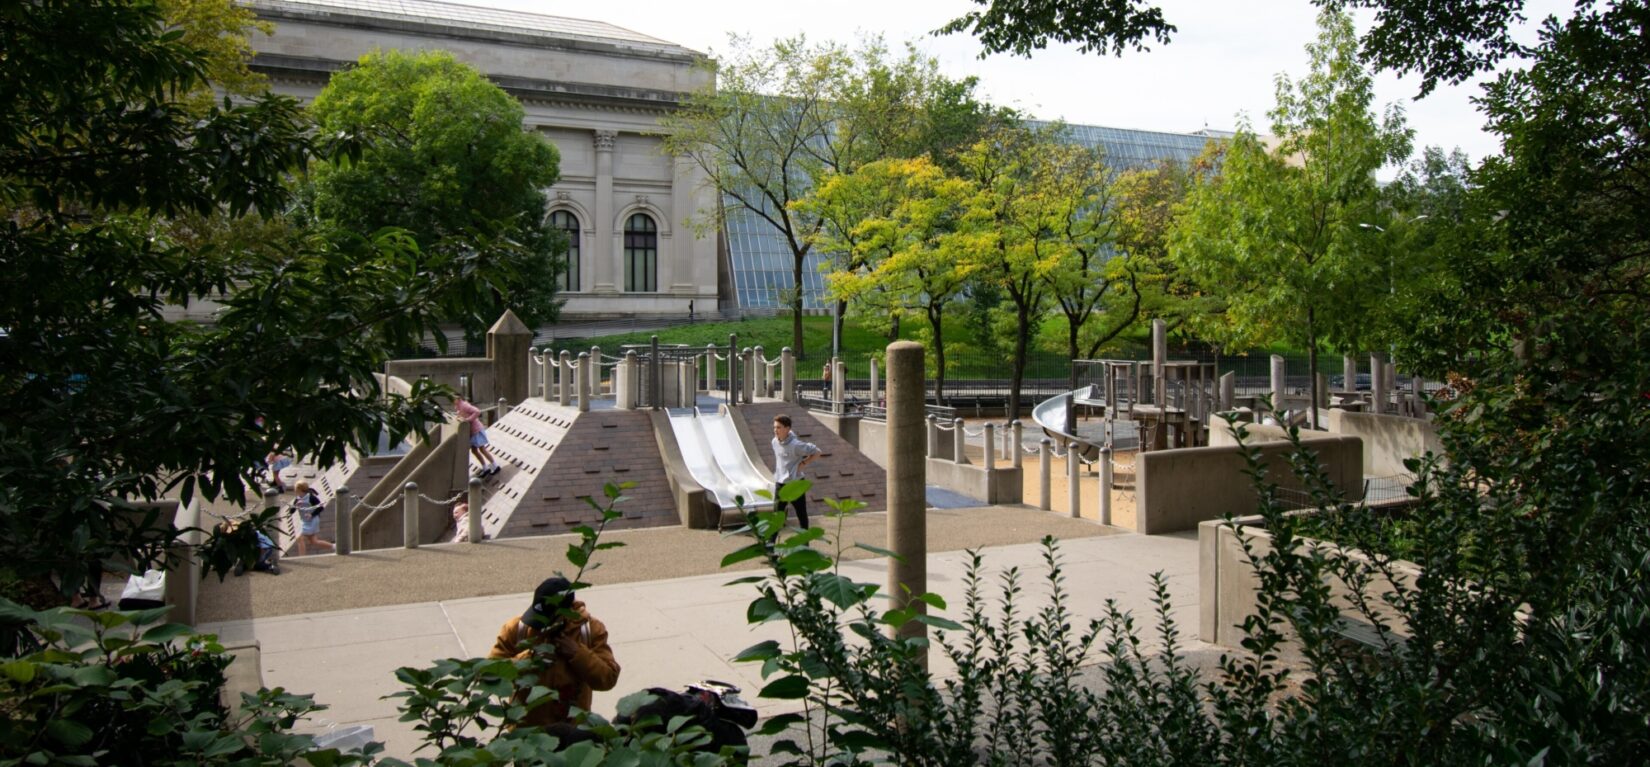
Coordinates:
x,y
569,225
641,254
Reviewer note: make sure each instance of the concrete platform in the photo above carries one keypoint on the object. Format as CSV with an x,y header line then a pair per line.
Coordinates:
x,y
665,632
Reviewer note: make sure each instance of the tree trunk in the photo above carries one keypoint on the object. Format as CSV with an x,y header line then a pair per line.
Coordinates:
x,y
836,326
893,328
1312,365
1022,314
936,319
796,306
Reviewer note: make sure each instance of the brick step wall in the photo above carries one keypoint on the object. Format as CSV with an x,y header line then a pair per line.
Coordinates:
x,y
841,472
599,446
525,442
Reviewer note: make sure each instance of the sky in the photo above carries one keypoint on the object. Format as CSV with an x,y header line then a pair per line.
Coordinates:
x,y
1220,65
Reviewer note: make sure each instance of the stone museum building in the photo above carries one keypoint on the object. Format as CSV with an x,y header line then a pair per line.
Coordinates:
x,y
598,91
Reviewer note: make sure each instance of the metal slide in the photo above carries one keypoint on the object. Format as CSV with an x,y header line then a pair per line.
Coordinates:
x,y
716,458
1050,414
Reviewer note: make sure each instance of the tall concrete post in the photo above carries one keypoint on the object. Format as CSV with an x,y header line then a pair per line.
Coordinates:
x,y
564,378
656,373
344,536
733,369
907,482
747,375
1160,355
1045,457
510,347
874,397
473,520
990,447
584,382
1228,391
1280,382
625,398
1074,472
1105,484
760,361
787,374
545,361
1016,432
958,442
710,368
933,436
1377,382
409,515
1349,372
839,386
595,370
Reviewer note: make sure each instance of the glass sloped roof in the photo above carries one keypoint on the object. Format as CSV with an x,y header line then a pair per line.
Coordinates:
x,y
477,17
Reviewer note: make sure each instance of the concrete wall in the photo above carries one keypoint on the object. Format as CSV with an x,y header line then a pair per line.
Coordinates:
x,y
483,384
1388,439
998,486
1179,488
1228,584
440,468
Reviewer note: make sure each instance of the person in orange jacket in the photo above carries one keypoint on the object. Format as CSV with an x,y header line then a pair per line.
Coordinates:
x,y
568,646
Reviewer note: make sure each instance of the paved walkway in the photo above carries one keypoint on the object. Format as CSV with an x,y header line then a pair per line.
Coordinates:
x,y
338,627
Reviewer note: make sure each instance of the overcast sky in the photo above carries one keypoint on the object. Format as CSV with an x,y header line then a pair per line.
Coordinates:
x,y
1221,63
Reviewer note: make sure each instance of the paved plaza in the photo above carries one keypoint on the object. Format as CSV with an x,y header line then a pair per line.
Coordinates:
x,y
338,627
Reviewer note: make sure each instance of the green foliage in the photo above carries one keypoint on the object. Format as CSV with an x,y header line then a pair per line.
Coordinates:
x,y
120,688
1020,27
105,400
1276,234
447,161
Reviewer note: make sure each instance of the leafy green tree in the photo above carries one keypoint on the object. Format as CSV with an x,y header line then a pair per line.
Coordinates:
x,y
1021,26
1277,235
449,163
904,221
106,402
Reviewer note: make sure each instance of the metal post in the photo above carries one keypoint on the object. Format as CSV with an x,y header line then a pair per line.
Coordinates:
x,y
409,515
1074,472
344,536
584,382
1105,484
1045,457
474,519
1016,432
957,454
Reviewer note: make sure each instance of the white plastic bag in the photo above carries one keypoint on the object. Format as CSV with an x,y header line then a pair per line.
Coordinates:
x,y
144,591
351,738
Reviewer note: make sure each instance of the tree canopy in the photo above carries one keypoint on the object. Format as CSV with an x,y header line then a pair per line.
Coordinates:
x,y
448,162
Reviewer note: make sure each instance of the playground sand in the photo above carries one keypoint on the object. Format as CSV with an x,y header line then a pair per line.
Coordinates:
x,y
514,565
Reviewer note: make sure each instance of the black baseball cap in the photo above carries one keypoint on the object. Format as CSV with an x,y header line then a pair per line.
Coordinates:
x,y
551,595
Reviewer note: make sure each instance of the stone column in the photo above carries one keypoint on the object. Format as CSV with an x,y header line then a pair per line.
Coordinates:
x,y
510,346
907,482
1377,382
474,518
409,515
1105,484
344,535
787,374
564,378
584,382
1280,382
609,271
1045,457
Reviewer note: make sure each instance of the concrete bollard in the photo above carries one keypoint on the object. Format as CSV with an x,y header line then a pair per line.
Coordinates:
x,y
546,361
473,520
874,397
655,374
1045,456
990,446
710,368
933,436
1228,391
787,374
958,455
1016,432
629,398
1074,472
1160,355
1280,382
502,410
907,480
584,382
343,539
564,378
759,363
1105,484
1349,373
409,515
1377,382
733,369
595,371
839,385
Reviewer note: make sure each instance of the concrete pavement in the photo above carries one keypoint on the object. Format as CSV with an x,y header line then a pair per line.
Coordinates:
x,y
665,632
